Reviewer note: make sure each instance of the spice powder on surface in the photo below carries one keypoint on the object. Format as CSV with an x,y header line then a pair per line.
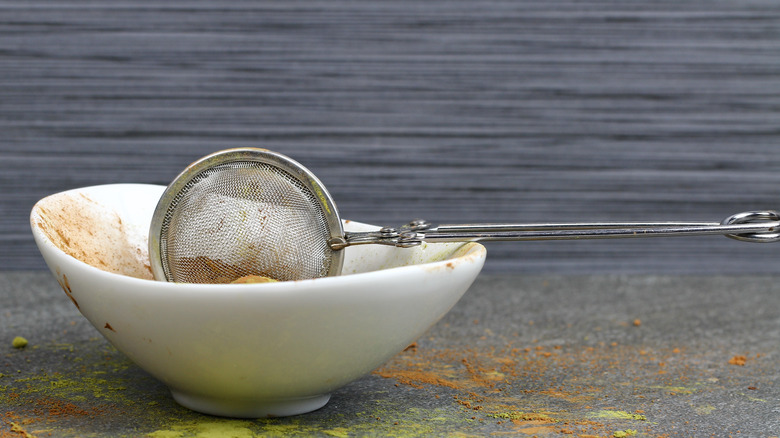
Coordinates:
x,y
605,389
515,389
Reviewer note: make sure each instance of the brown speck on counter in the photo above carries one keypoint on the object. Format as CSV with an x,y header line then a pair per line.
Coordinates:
x,y
738,360
108,326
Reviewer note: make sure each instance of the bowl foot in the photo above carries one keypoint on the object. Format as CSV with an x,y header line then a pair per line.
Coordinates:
x,y
250,408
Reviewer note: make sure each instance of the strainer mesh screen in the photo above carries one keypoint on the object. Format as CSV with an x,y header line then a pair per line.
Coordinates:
x,y
244,218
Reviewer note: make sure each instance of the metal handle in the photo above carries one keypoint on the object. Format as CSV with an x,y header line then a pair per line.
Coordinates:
x,y
752,226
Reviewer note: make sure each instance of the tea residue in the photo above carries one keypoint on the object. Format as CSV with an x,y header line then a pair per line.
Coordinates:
x,y
92,233
253,279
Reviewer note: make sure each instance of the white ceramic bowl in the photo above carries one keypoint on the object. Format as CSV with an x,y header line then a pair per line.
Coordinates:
x,y
249,350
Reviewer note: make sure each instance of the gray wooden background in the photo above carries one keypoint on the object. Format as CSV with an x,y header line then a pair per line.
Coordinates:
x,y
517,110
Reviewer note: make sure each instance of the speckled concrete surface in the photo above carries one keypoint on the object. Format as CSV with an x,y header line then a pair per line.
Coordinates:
x,y
519,355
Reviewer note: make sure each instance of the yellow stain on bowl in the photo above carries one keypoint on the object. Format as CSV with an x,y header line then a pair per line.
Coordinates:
x,y
253,279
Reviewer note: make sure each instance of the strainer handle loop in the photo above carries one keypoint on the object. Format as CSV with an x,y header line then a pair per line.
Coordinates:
x,y
751,217
753,226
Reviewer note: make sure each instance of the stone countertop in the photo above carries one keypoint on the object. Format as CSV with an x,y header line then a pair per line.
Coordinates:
x,y
539,355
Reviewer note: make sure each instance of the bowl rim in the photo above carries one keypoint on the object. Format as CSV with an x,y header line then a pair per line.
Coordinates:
x,y
468,252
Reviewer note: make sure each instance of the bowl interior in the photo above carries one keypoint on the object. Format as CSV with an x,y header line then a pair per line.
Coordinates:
x,y
107,227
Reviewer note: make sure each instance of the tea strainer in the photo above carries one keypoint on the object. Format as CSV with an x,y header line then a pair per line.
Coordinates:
x,y
252,211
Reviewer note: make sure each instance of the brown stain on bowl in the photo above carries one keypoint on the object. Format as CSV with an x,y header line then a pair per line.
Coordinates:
x,y
66,287
92,233
466,253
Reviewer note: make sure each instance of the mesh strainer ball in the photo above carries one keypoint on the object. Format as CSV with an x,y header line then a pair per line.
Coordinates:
x,y
242,212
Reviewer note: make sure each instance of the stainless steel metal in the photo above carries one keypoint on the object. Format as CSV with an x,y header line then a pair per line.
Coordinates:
x,y
253,211
244,212
759,226
753,217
